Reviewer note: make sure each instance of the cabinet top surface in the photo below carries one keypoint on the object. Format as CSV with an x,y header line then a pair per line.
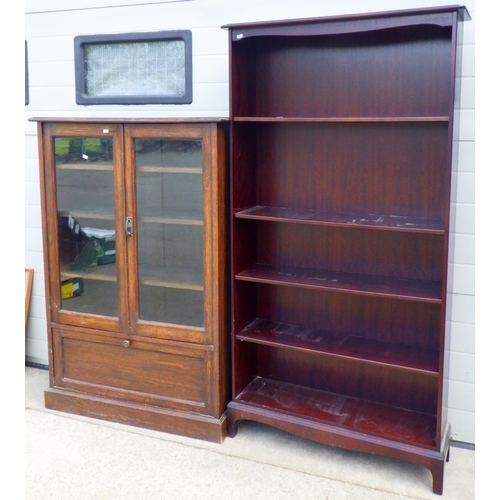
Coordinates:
x,y
461,9
126,120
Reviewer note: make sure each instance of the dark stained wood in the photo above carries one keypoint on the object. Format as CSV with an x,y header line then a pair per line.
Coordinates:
x,y
365,168
415,391
343,437
411,91
350,250
169,377
408,322
343,119
341,160
360,414
426,291
335,344
367,221
351,22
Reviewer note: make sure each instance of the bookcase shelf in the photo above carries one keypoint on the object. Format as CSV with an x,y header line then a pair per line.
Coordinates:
x,y
368,221
86,166
361,415
170,170
351,119
341,158
397,355
347,283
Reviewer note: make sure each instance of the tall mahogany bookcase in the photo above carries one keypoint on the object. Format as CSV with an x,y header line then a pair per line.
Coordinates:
x,y
342,147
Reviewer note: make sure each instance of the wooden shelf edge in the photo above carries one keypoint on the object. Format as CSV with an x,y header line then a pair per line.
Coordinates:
x,y
314,279
169,221
86,167
288,401
149,219
171,284
169,170
293,337
345,119
96,274
314,217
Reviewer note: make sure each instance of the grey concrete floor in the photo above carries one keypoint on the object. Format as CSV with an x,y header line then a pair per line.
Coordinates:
x,y
72,457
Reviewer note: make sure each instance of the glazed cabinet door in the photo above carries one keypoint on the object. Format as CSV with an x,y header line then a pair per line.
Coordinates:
x,y
168,178
134,210
85,204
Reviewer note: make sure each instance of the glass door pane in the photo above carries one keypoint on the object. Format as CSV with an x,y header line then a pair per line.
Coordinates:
x,y
86,225
170,231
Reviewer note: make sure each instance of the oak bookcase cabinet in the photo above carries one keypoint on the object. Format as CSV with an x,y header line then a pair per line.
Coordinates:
x,y
135,249
342,138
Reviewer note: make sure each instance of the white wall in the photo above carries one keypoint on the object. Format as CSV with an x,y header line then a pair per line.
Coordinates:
x,y
50,27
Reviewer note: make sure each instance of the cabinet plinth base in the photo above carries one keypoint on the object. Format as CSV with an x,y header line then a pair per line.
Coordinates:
x,y
341,437
155,418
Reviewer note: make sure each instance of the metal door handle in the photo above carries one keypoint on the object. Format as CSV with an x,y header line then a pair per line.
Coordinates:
x,y
129,226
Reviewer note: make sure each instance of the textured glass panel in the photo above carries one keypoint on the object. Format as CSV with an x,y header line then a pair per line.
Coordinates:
x,y
135,69
86,232
170,231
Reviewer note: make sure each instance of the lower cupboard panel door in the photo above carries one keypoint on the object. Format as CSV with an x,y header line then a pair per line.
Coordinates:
x,y
146,373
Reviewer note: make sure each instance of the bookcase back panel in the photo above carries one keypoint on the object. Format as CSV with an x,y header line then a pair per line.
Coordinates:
x,y
384,169
405,322
394,72
349,377
349,250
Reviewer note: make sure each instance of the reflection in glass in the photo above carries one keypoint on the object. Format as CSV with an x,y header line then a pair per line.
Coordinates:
x,y
170,231
86,220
